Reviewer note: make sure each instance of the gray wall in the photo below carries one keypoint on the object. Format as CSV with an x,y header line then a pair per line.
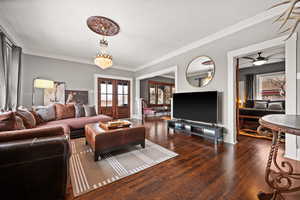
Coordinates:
x,y
217,50
76,75
268,68
144,85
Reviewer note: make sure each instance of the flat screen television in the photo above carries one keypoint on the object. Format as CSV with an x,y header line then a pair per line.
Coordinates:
x,y
196,106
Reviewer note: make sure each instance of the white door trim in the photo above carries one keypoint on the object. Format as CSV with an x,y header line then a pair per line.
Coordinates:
x,y
231,84
96,76
150,75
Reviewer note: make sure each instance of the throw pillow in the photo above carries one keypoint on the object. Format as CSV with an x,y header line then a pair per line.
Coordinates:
x,y
79,110
27,117
89,110
47,113
7,121
37,117
64,111
275,106
19,125
260,105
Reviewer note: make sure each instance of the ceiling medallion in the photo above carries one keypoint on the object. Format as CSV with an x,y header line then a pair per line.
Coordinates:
x,y
105,27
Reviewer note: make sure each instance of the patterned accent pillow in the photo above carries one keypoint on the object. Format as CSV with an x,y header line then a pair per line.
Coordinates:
x,y
7,121
27,117
64,111
47,113
37,117
89,110
19,125
79,111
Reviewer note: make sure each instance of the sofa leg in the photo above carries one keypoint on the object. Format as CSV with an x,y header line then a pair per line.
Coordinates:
x,y
96,156
143,144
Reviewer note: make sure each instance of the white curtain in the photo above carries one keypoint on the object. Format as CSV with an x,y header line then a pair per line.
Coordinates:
x,y
10,65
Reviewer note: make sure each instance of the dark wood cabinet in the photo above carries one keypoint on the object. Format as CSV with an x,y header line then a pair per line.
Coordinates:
x,y
114,98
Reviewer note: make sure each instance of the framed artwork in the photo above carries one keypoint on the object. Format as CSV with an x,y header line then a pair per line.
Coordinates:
x,y
77,96
55,94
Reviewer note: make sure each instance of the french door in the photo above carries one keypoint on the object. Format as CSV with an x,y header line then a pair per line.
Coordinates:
x,y
114,97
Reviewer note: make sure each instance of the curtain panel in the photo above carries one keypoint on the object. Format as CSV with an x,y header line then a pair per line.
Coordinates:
x,y
249,86
10,70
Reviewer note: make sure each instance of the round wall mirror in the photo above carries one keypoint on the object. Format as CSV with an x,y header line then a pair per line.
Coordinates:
x,y
200,71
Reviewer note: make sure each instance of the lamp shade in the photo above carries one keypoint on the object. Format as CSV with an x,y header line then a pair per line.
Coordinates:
x,y
42,83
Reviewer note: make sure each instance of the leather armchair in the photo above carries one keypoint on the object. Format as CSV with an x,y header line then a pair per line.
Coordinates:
x,y
34,163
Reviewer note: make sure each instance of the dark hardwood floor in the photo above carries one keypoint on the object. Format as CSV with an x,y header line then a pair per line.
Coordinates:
x,y
201,171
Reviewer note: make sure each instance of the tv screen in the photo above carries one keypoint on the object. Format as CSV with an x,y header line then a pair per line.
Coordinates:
x,y
196,106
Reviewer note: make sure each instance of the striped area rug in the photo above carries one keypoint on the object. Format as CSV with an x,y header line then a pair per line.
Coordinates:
x,y
87,175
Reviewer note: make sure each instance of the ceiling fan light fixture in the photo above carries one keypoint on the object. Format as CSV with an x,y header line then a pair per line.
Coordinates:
x,y
259,62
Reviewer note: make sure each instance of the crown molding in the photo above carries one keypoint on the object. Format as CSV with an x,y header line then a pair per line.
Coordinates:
x,y
10,33
72,59
167,76
263,16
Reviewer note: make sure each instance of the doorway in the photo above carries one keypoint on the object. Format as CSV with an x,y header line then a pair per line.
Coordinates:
x,y
158,93
113,97
290,46
261,89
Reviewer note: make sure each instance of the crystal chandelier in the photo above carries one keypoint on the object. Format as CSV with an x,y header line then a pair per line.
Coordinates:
x,y
105,27
103,59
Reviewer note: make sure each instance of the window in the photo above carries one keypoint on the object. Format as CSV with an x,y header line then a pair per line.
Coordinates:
x,y
160,93
270,86
106,93
122,93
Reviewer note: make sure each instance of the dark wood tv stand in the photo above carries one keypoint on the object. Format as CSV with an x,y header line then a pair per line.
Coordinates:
x,y
211,132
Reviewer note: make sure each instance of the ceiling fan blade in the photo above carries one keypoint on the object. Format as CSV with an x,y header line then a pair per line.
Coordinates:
x,y
249,58
277,59
274,54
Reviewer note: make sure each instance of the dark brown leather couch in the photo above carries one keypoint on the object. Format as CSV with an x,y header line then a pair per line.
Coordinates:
x,y
34,163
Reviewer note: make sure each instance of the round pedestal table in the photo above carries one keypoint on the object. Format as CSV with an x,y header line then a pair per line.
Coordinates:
x,y
280,177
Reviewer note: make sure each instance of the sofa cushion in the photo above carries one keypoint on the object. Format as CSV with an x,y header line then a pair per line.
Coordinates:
x,y
27,117
260,104
89,110
7,121
79,110
275,106
64,111
79,123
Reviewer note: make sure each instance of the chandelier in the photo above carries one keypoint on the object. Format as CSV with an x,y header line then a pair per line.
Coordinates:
x,y
103,59
105,27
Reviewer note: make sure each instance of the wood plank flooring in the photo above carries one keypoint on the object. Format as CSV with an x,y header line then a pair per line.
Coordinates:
x,y
202,171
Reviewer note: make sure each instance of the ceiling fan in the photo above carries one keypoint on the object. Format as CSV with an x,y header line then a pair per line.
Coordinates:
x,y
261,60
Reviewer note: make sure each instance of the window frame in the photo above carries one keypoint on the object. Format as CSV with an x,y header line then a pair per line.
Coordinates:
x,y
156,85
258,85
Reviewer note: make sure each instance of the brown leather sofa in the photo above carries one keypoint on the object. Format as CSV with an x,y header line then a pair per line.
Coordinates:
x,y
76,125
34,163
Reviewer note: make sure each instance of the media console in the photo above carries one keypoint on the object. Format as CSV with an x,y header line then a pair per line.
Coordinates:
x,y
211,132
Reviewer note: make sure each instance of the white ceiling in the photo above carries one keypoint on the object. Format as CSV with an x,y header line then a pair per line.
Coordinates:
x,y
149,28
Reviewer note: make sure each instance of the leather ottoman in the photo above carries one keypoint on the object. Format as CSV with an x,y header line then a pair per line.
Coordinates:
x,y
104,141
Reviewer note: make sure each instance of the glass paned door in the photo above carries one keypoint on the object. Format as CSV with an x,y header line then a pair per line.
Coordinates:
x,y
105,95
114,97
123,95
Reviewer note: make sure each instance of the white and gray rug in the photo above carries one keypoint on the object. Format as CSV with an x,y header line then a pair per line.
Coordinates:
x,y
87,175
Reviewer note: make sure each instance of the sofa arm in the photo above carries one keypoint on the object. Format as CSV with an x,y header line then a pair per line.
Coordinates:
x,y
35,168
40,132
